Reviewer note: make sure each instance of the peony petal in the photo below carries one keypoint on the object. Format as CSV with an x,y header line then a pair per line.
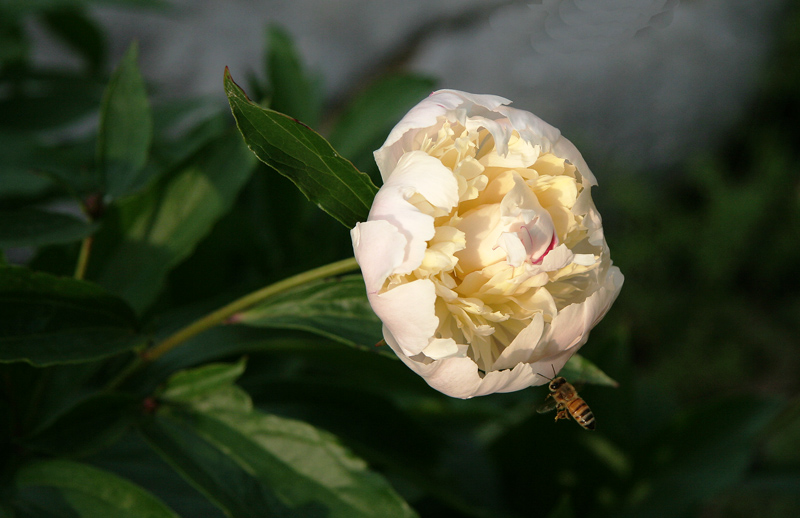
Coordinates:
x,y
419,173
523,346
462,263
445,104
459,378
536,131
570,328
407,312
379,248
441,348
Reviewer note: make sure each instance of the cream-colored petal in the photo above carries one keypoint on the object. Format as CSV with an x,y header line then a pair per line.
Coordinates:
x,y
523,346
441,105
417,173
407,311
379,248
570,328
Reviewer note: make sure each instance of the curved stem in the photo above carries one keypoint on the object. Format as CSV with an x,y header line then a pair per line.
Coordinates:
x,y
83,257
224,313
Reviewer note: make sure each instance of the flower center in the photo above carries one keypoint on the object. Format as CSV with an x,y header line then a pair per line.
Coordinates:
x,y
537,239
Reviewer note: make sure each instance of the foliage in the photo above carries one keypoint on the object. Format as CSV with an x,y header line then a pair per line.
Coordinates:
x,y
170,344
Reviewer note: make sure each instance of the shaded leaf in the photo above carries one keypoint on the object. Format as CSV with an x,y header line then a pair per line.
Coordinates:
x,y
79,32
133,458
87,426
35,227
337,309
698,454
49,319
302,155
292,91
160,227
367,121
580,370
84,491
126,127
48,100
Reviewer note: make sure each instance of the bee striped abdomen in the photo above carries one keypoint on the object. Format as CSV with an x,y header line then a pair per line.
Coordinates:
x,y
582,413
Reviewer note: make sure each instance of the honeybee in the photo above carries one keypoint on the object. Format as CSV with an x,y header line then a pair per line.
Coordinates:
x,y
566,400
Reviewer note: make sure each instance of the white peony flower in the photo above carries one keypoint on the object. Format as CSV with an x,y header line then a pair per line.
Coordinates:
x,y
483,253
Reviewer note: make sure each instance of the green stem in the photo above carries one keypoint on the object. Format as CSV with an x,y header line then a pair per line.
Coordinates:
x,y
224,313
83,257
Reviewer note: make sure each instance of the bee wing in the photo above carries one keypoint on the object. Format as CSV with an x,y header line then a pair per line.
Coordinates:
x,y
546,406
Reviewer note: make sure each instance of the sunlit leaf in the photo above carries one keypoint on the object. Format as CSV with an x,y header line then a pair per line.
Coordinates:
x,y
254,464
66,488
337,309
302,155
193,384
48,319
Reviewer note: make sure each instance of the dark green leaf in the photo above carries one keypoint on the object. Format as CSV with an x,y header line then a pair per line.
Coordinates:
x,y
252,464
563,509
133,458
302,155
48,319
44,101
79,32
211,471
85,427
84,491
161,226
367,121
292,91
35,227
700,453
580,370
337,309
126,127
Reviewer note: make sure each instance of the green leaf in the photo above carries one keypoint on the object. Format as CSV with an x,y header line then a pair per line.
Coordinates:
x,y
292,91
85,427
580,370
254,464
48,319
48,100
337,309
79,32
35,227
83,491
192,384
367,121
302,155
133,458
157,229
698,454
563,509
126,127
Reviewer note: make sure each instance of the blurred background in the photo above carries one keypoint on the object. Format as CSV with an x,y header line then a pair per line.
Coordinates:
x,y
687,113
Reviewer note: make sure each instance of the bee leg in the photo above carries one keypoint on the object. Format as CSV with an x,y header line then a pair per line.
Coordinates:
x,y
562,412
